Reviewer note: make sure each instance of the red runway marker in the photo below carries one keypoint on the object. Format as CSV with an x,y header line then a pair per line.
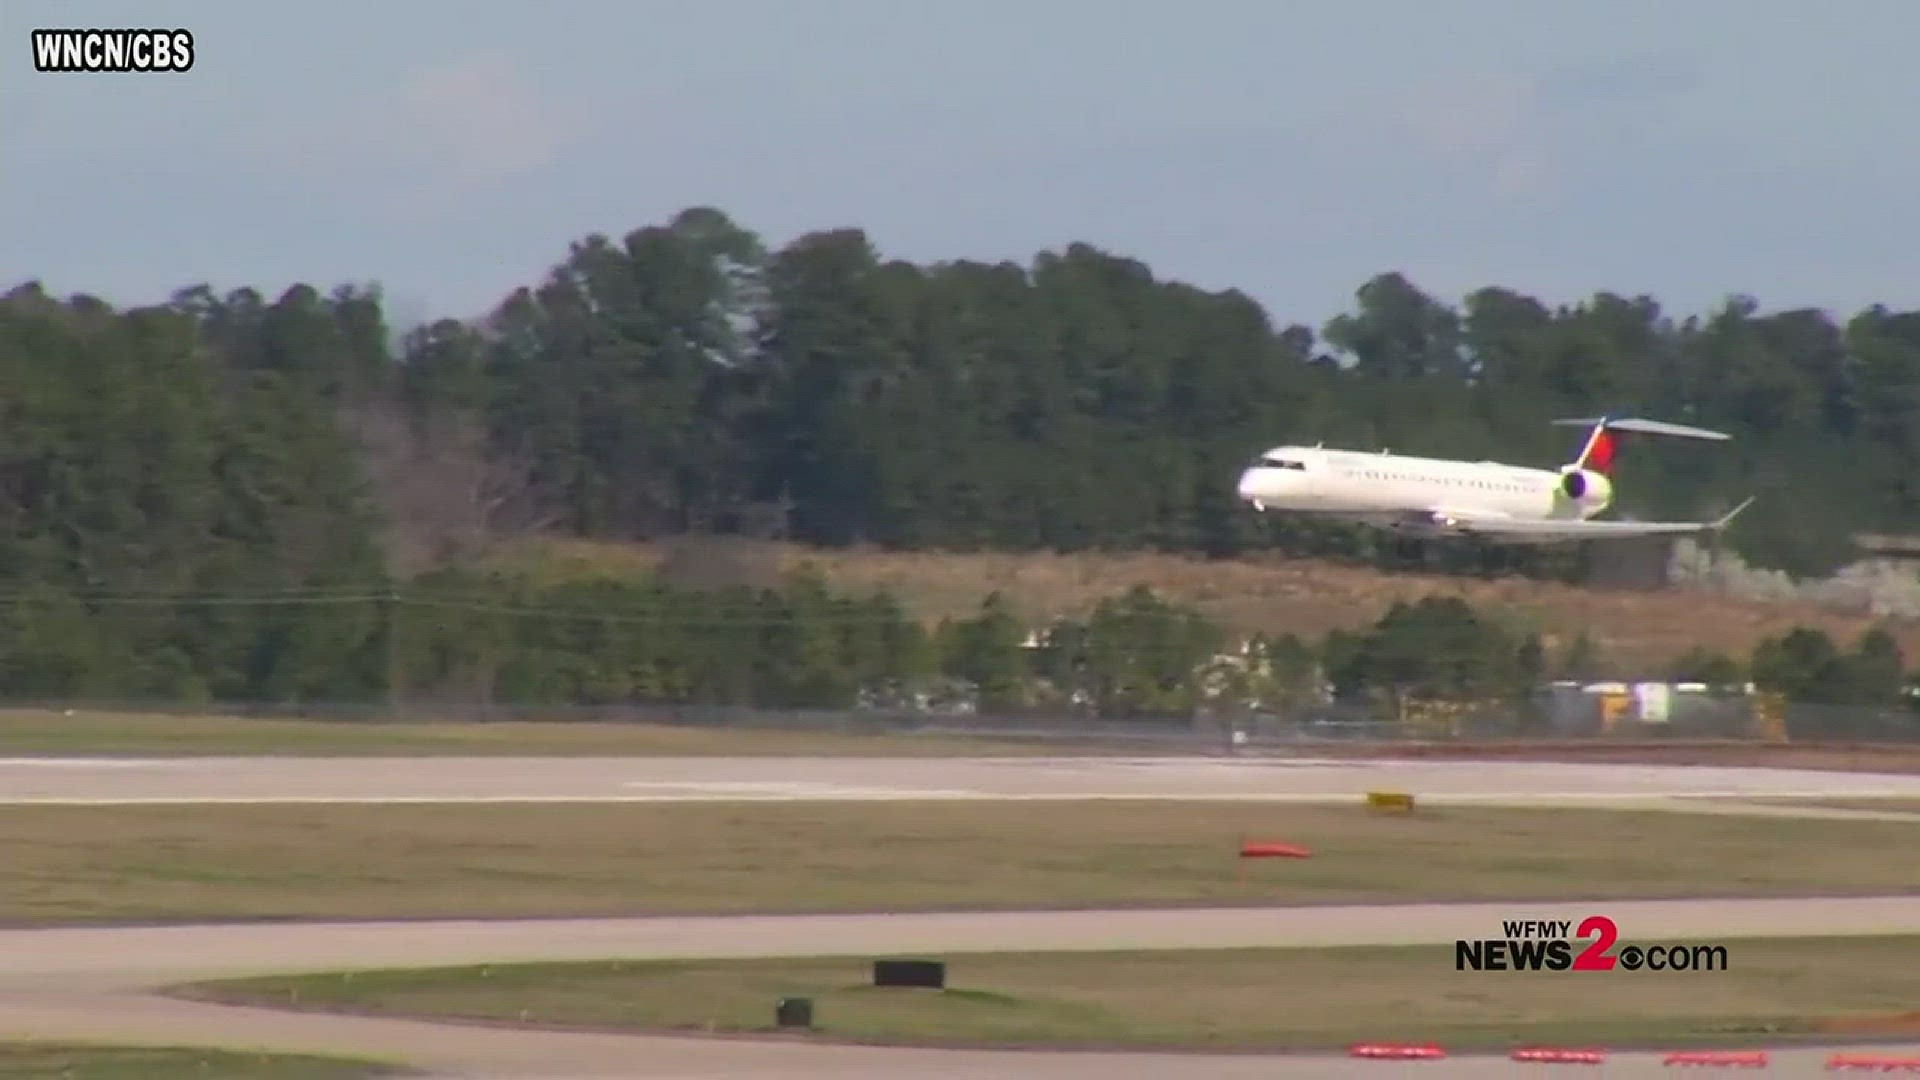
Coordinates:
x,y
1873,1063
1259,849
1401,1051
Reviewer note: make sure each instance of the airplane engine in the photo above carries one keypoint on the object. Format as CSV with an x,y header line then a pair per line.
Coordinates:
x,y
1587,486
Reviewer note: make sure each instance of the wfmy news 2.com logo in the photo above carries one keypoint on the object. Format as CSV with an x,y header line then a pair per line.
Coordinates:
x,y
126,50
1548,945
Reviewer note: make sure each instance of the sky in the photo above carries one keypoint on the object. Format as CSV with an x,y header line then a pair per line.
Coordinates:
x,y
451,152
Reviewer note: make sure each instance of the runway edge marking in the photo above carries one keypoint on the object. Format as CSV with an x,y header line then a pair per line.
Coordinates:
x,y
1568,800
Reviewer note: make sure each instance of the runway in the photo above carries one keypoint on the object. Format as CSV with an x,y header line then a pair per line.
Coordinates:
x,y
241,780
98,983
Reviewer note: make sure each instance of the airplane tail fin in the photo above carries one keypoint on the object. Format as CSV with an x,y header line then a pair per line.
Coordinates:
x,y
1597,454
1602,444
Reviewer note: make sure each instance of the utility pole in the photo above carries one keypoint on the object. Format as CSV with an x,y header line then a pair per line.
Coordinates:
x,y
393,654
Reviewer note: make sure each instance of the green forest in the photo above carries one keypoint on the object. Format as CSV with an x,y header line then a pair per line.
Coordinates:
x,y
278,498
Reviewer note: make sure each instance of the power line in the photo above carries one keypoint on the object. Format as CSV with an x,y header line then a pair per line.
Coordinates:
x,y
29,600
797,618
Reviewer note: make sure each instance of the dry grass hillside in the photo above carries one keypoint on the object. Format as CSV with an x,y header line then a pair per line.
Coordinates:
x,y
1634,629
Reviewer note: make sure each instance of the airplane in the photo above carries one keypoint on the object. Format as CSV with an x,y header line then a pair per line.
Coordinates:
x,y
1437,497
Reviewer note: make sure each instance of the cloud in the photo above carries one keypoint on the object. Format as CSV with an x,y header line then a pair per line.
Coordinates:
x,y
1484,130
1636,74
466,125
1463,114
1523,173
1497,131
478,119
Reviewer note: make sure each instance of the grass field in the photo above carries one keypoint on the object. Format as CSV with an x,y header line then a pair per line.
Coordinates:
x,y
34,731
84,733
1770,990
1898,803
68,1061
77,864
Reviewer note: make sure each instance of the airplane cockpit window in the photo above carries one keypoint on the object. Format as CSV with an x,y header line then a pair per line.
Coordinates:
x,y
1275,461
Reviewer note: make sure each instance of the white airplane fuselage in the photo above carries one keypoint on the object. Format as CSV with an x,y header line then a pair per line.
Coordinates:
x,y
1397,490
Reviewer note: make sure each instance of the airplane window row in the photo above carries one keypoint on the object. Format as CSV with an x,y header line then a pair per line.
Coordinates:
x,y
1485,484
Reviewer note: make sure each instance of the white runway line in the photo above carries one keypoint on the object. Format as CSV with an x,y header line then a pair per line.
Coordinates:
x,y
104,763
1568,800
800,790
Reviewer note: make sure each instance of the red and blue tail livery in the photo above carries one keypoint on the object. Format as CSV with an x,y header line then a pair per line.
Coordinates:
x,y
1602,442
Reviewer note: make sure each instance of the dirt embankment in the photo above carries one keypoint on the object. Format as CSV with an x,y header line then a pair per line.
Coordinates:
x,y
1639,631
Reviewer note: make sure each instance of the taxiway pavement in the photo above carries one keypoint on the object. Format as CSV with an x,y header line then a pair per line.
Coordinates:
x,y
209,780
98,983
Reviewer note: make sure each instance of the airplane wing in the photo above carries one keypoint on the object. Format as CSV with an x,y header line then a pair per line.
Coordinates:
x,y
1549,530
1646,427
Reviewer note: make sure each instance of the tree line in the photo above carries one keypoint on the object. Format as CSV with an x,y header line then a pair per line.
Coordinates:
x,y
250,466
685,378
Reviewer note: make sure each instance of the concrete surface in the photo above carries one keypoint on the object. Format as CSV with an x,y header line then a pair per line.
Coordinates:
x,y
97,983
655,779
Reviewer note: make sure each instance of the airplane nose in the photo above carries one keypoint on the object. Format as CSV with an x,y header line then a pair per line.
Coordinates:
x,y
1249,487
